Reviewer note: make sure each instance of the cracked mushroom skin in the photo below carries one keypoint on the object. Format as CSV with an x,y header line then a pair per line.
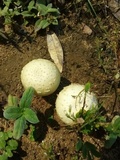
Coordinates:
x,y
42,75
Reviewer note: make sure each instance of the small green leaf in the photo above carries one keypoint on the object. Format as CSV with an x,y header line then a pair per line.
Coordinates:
x,y
116,123
109,142
8,20
42,9
27,97
13,144
32,136
2,144
49,5
5,11
30,116
8,151
53,10
84,151
27,14
78,114
10,134
6,136
87,87
41,24
2,33
55,22
90,156
37,25
19,127
31,5
91,147
16,12
3,135
12,113
12,100
45,24
4,156
7,3
41,2
79,145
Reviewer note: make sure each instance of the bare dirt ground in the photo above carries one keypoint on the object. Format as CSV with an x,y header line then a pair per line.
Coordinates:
x,y
93,58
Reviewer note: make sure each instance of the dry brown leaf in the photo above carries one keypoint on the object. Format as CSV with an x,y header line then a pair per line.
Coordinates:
x,y
55,50
114,6
86,29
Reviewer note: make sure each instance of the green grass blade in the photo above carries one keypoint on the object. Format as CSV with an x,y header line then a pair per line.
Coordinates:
x,y
91,7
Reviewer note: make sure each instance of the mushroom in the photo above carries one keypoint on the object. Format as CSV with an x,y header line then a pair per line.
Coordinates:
x,y
71,100
42,75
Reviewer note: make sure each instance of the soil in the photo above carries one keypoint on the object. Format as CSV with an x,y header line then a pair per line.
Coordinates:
x,y
88,57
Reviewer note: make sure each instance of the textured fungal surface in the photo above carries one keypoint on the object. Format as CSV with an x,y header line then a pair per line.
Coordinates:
x,y
71,100
42,75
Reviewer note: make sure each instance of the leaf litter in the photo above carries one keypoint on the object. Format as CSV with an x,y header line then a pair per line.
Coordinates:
x,y
55,50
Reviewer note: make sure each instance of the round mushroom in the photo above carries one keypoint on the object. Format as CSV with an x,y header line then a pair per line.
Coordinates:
x,y
42,75
71,100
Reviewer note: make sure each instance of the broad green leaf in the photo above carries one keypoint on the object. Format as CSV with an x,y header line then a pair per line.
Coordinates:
x,y
13,144
79,145
19,127
30,116
26,100
12,113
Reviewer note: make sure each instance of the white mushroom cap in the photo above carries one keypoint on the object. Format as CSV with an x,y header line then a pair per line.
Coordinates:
x,y
42,75
70,101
